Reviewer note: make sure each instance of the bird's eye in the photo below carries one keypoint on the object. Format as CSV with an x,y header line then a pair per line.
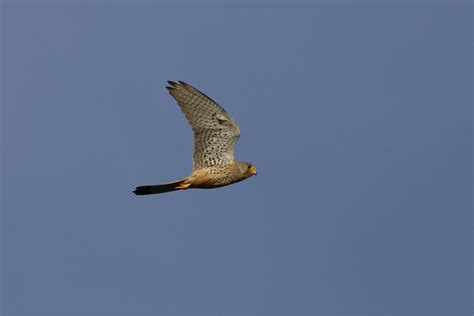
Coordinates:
x,y
249,166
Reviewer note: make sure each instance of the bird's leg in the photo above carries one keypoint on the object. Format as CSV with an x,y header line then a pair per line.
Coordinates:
x,y
183,186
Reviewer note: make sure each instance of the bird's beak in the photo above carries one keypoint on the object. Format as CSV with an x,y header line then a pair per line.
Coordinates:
x,y
253,170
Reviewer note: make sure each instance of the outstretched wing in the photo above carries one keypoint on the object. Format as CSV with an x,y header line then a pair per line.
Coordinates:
x,y
215,132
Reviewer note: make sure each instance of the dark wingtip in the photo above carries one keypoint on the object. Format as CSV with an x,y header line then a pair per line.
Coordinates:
x,y
172,85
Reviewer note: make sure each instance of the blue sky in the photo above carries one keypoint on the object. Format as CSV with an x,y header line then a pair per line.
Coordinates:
x,y
357,115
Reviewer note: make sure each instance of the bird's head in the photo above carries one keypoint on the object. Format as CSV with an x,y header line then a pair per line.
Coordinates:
x,y
247,169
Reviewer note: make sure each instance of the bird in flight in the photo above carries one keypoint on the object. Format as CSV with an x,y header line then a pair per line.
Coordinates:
x,y
215,134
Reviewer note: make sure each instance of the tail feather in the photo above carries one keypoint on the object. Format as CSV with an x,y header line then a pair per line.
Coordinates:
x,y
159,188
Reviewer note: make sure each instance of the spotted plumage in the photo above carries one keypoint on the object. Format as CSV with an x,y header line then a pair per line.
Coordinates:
x,y
215,135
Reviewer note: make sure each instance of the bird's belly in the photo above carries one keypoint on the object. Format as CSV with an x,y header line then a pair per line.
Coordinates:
x,y
207,179
210,182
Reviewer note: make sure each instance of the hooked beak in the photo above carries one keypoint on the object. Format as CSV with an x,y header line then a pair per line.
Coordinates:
x,y
253,170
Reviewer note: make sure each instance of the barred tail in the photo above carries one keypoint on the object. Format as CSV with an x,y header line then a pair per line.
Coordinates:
x,y
161,188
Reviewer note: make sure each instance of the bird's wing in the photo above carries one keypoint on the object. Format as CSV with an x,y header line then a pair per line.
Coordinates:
x,y
215,131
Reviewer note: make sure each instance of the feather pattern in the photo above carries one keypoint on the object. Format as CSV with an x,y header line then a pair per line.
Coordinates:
x,y
215,131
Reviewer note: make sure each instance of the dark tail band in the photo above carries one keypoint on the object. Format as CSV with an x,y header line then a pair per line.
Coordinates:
x,y
158,188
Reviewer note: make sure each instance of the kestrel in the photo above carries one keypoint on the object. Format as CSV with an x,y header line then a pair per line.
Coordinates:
x,y
215,134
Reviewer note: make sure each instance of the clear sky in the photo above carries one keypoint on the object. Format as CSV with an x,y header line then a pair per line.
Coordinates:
x,y
357,116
